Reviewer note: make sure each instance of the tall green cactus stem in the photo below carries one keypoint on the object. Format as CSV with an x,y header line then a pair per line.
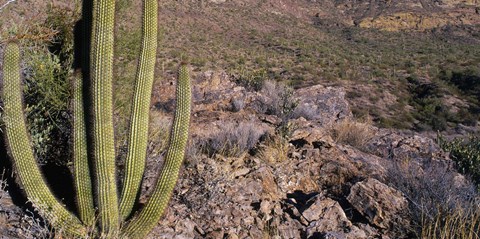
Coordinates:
x,y
148,217
81,169
26,166
137,148
103,134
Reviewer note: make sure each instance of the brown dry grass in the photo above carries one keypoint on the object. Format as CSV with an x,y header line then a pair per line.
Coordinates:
x,y
275,150
458,225
159,132
352,132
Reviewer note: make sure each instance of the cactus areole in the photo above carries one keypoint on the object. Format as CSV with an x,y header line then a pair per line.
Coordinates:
x,y
102,212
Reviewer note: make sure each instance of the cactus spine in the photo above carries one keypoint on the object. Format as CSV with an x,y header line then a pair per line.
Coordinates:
x,y
112,209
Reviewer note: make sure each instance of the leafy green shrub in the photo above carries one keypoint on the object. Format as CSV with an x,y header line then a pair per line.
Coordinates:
x,y
47,87
467,83
253,80
467,80
46,98
429,108
466,154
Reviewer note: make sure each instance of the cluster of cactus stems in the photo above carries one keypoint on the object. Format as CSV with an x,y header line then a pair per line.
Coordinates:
x,y
109,214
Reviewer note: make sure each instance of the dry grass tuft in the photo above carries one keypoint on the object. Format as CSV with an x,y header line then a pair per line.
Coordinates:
x,y
275,149
159,132
233,140
352,132
459,225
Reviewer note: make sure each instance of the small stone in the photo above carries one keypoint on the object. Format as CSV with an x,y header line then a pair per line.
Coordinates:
x,y
265,207
241,172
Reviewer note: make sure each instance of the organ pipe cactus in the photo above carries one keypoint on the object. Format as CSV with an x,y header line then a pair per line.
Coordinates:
x,y
109,215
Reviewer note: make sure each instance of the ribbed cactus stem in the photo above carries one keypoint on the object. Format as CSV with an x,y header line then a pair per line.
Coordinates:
x,y
138,137
21,151
101,60
149,216
81,169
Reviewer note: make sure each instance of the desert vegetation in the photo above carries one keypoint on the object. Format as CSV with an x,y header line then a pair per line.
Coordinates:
x,y
252,126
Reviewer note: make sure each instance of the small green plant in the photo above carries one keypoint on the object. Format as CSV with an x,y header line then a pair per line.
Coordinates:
x,y
46,97
466,154
252,80
106,215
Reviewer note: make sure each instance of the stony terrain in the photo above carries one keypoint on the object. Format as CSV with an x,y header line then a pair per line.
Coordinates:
x,y
322,189
317,187
298,177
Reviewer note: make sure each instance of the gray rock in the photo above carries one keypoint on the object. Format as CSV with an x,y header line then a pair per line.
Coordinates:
x,y
382,205
323,105
326,216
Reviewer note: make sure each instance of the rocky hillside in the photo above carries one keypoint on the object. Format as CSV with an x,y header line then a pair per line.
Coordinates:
x,y
318,183
417,15
252,172
407,64
349,152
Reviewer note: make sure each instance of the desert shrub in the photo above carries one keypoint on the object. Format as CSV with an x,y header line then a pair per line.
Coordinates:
x,y
429,109
432,114
275,149
278,99
434,190
194,151
352,132
467,80
46,97
252,80
233,140
158,133
46,72
466,154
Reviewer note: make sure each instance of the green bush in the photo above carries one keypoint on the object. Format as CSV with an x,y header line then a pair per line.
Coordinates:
x,y
466,154
252,80
426,99
47,87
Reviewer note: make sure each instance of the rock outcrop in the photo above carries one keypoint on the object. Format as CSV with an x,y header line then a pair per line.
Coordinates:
x,y
321,188
324,189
